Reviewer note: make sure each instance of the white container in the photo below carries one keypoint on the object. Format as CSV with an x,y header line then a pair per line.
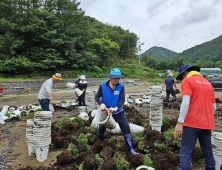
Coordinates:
x,y
11,110
22,107
78,92
1,118
218,160
70,85
94,112
116,130
84,116
5,109
158,128
144,167
82,109
51,107
31,148
42,153
135,128
44,113
94,124
105,119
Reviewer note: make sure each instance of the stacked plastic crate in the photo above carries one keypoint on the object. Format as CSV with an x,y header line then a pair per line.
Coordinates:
x,y
156,108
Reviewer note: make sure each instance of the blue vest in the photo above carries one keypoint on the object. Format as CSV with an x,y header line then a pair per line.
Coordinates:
x,y
111,97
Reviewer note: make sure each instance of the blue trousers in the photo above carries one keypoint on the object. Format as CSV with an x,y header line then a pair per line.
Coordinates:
x,y
189,138
123,124
44,104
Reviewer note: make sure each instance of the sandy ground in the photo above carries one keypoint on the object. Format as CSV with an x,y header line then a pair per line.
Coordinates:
x,y
20,148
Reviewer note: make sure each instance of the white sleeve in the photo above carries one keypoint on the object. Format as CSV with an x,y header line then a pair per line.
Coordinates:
x,y
184,108
214,107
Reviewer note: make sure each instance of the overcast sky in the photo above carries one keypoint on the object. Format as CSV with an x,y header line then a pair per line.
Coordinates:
x,y
173,24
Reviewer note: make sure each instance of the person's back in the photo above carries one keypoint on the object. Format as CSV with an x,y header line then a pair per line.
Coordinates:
x,y
169,83
200,113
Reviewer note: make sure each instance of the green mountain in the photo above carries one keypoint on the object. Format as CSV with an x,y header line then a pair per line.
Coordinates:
x,y
208,51
160,53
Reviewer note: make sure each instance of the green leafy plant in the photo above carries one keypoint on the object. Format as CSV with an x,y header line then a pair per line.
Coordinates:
x,y
51,145
166,120
37,110
24,114
73,149
82,139
141,145
80,167
89,150
63,101
122,165
170,140
148,162
60,124
100,160
126,113
8,115
116,140
147,151
79,120
160,146
138,137
131,119
12,113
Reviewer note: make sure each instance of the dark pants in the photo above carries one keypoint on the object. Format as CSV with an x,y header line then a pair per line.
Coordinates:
x,y
168,92
123,124
44,104
189,139
81,99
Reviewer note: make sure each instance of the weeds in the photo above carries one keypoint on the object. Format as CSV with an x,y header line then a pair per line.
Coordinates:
x,y
73,149
122,165
116,140
60,124
82,139
79,120
148,162
160,146
100,160
166,120
80,167
170,140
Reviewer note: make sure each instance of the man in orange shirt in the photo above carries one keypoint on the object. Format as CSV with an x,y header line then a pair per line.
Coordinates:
x,y
196,118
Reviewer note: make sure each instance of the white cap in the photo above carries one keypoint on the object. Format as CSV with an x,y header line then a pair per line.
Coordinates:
x,y
82,77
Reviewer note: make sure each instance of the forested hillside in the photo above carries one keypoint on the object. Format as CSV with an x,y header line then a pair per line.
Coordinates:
x,y
208,51
160,53
55,34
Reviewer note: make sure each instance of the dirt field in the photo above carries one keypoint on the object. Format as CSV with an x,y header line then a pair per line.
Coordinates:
x,y
20,149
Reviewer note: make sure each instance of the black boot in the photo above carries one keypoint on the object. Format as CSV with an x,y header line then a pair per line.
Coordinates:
x,y
129,144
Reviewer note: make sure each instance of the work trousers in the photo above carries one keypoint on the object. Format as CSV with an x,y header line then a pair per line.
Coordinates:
x,y
81,99
189,138
44,104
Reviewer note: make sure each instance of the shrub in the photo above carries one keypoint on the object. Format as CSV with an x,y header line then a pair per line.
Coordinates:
x,y
82,139
100,160
60,124
79,120
63,101
170,140
116,140
148,162
166,120
138,137
90,129
122,165
80,167
73,149
160,146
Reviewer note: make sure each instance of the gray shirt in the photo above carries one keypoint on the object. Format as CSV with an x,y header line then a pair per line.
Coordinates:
x,y
45,89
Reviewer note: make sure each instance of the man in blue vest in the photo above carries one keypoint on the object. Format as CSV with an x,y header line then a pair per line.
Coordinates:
x,y
169,82
112,94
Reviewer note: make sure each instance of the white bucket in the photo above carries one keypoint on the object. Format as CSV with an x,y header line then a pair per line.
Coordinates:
x,y
51,108
44,113
22,107
31,149
144,167
5,109
1,118
94,112
218,160
158,128
82,109
42,153
70,85
105,119
84,116
116,130
94,124
135,128
78,92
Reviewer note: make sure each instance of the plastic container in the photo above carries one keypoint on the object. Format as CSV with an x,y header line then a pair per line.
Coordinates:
x,y
105,119
84,116
94,112
135,128
116,130
5,109
144,167
1,118
41,153
78,92
51,108
31,148
218,160
70,85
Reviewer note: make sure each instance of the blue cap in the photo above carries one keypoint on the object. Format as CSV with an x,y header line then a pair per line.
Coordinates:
x,y
184,68
115,73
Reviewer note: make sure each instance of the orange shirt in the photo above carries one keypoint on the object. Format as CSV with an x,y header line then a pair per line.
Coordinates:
x,y
200,113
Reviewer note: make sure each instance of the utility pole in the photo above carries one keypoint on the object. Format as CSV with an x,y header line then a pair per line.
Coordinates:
x,y
139,49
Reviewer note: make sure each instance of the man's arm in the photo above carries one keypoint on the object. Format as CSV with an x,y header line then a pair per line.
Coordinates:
x,y
98,95
175,85
122,98
183,112
163,85
51,99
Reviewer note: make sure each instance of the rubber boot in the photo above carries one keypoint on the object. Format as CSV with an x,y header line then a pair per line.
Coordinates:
x,y
100,137
129,144
174,99
209,168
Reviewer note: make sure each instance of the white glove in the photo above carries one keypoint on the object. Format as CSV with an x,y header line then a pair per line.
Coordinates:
x,y
111,109
103,107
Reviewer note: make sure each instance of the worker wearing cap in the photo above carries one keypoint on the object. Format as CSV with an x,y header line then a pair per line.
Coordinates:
x,y
82,85
45,96
112,93
196,118
169,82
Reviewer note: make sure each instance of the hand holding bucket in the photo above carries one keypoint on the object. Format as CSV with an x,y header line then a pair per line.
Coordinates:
x,y
78,92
